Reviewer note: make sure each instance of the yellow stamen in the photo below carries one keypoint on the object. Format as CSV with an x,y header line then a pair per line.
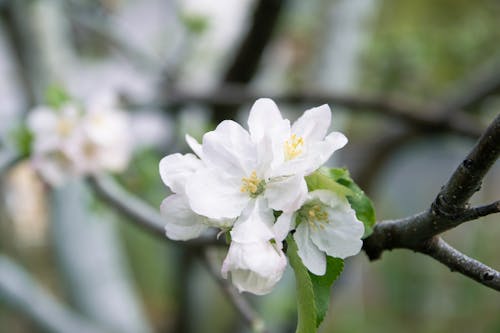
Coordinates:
x,y
293,147
64,127
252,185
317,217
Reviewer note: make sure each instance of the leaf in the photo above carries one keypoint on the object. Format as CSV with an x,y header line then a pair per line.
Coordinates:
x,y
321,286
321,180
306,307
56,96
357,198
23,139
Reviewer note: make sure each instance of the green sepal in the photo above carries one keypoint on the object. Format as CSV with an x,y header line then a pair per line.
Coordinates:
x,y
321,180
56,96
23,140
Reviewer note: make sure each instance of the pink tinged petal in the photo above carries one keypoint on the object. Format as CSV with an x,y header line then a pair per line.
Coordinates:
x,y
255,223
230,149
176,169
42,119
215,195
312,257
286,193
283,225
181,222
254,267
194,145
313,124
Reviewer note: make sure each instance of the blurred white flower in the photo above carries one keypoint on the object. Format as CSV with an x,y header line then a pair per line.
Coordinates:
x,y
325,225
75,141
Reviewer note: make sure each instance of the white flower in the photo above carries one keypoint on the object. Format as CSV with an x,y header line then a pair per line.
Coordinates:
x,y
74,141
326,225
239,169
300,148
181,222
255,260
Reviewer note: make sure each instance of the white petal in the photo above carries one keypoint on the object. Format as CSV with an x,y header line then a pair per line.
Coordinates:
x,y
254,267
313,124
42,119
263,118
283,225
320,152
230,149
176,169
286,194
181,222
341,236
311,256
255,223
215,195
194,145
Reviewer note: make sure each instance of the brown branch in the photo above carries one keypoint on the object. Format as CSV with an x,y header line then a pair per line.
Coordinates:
x,y
420,117
459,262
448,210
250,51
477,212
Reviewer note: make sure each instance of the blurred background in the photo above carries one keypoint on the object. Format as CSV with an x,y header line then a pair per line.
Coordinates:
x,y
181,67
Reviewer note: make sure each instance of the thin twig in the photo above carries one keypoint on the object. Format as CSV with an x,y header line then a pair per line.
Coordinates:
x,y
457,261
417,116
139,211
247,313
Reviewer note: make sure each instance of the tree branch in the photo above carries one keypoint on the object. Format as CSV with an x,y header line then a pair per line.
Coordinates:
x,y
20,291
448,210
457,261
419,117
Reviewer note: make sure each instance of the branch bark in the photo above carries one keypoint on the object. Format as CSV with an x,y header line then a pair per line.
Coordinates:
x,y
448,210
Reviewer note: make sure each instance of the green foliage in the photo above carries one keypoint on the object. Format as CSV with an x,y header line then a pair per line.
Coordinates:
x,y
196,24
56,96
339,181
322,284
306,307
313,291
22,138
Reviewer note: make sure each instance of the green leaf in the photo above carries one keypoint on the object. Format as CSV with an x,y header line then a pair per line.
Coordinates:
x,y
196,24
357,198
321,180
23,139
321,286
56,96
306,307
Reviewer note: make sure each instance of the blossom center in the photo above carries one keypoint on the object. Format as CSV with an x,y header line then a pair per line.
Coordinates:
x,y
314,215
64,127
293,147
252,185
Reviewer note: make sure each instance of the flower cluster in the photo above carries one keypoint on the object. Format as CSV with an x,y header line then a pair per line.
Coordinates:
x,y
75,140
238,181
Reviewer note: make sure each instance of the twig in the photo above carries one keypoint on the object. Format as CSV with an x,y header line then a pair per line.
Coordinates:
x,y
419,117
241,305
250,51
448,210
477,212
138,211
457,261
19,290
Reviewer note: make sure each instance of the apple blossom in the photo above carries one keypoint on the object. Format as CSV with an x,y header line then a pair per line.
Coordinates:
x,y
325,225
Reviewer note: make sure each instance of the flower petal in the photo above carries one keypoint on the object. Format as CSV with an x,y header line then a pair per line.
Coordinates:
x,y
283,225
264,117
341,236
215,195
181,222
313,124
229,148
255,267
255,223
286,193
194,145
311,256
320,152
176,169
